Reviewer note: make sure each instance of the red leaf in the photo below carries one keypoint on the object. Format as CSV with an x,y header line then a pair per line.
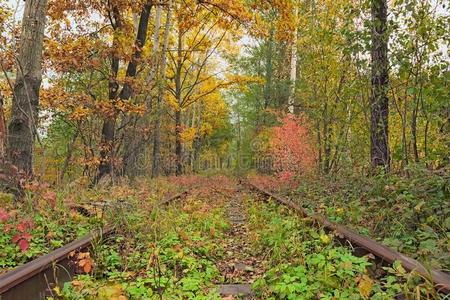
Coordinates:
x,y
26,236
4,216
22,226
23,245
16,238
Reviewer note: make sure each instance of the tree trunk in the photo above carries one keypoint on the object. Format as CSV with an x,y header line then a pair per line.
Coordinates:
x,y
293,74
269,72
379,148
22,127
109,125
161,87
129,160
70,149
178,148
137,137
178,87
414,128
2,130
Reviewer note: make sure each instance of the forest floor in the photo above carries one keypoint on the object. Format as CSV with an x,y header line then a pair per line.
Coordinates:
x,y
219,242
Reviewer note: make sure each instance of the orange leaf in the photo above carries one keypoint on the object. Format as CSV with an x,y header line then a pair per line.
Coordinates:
x,y
87,266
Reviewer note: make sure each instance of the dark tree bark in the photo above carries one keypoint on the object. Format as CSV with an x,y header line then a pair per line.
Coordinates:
x,y
178,96
109,126
379,149
22,127
130,147
178,147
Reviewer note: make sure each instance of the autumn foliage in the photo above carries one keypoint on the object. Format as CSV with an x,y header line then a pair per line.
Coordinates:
x,y
292,148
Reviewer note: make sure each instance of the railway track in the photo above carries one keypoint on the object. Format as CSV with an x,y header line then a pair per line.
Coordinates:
x,y
440,279
37,278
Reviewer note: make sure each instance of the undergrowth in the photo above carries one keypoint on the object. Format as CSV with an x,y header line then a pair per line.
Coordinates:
x,y
157,254
408,213
307,263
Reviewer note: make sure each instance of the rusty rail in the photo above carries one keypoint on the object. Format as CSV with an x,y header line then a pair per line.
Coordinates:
x,y
35,279
440,279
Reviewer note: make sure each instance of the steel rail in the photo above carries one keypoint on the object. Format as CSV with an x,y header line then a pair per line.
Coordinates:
x,y
440,279
34,279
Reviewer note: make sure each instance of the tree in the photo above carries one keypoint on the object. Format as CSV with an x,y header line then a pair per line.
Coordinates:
x,y
109,126
379,102
197,41
160,96
22,127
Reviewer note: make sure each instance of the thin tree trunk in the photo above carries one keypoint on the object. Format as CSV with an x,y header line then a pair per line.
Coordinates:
x,y
414,129
2,130
293,74
22,127
269,72
425,142
70,149
161,87
404,140
178,148
379,148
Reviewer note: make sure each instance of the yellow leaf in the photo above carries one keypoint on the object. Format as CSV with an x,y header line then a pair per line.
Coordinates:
x,y
365,286
57,291
325,238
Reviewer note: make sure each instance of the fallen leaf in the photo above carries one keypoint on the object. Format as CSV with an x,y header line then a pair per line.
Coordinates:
x,y
365,285
77,283
87,267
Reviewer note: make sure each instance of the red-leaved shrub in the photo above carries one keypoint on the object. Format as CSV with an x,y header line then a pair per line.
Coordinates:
x,y
292,148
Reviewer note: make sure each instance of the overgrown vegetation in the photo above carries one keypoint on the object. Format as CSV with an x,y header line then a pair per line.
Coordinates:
x,y
158,253
408,213
307,263
30,229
